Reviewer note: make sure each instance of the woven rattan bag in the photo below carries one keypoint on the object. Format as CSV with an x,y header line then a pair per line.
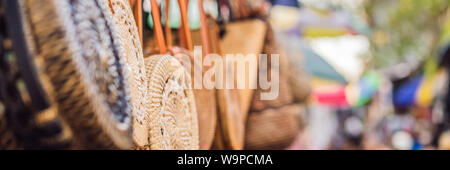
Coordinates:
x,y
83,56
172,120
273,124
243,37
29,118
206,100
134,59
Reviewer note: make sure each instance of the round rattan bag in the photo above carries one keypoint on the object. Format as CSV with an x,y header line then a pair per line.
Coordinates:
x,y
172,120
134,59
172,117
84,59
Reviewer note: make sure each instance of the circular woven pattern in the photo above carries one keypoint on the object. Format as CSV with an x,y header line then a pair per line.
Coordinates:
x,y
134,59
173,116
82,56
205,101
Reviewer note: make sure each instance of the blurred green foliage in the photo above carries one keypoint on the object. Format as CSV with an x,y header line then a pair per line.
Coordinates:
x,y
406,29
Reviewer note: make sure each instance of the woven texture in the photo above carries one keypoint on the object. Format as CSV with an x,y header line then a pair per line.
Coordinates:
x,y
285,95
272,129
82,56
273,124
172,120
205,101
134,59
29,128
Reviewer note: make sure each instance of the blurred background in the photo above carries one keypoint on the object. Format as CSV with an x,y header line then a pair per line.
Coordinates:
x,y
378,71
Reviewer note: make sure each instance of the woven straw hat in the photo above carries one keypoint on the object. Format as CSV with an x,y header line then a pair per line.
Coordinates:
x,y
83,58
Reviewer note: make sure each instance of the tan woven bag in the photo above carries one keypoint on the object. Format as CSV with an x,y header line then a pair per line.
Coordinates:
x,y
82,55
273,124
206,99
134,58
172,118
235,104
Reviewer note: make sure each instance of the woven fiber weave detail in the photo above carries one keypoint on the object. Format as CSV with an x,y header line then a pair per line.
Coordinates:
x,y
81,51
173,123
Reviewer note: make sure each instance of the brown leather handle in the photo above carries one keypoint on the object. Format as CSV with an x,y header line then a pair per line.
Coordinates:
x,y
185,28
185,33
138,17
167,26
204,30
159,34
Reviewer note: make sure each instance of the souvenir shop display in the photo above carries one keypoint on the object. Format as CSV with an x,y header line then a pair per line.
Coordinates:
x,y
121,74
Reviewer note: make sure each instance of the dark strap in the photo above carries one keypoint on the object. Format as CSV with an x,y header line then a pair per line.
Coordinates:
x,y
27,69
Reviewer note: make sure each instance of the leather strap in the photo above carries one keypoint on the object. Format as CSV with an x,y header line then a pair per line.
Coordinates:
x,y
167,28
186,31
206,40
159,34
138,18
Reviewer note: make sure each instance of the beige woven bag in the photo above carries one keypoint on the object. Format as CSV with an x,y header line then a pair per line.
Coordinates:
x,y
172,118
134,59
83,57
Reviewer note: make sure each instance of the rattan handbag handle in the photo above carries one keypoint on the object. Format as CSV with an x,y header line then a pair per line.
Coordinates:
x,y
159,34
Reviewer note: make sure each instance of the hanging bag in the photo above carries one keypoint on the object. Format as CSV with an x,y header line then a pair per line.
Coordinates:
x,y
80,53
234,104
172,116
205,99
279,117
